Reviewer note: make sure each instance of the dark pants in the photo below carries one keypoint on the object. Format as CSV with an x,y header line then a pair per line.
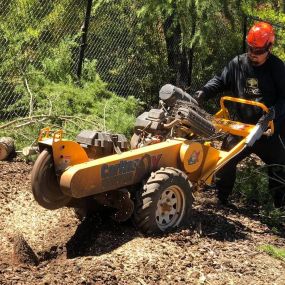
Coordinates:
x,y
272,152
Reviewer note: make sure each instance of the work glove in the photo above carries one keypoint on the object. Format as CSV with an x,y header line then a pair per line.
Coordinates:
x,y
266,118
199,96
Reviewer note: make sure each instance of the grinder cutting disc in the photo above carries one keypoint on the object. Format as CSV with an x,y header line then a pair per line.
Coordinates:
x,y
45,185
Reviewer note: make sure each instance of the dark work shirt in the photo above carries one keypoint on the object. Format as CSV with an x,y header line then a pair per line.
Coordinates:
x,y
265,84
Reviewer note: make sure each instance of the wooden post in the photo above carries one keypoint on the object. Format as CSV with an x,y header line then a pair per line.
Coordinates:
x,y
6,147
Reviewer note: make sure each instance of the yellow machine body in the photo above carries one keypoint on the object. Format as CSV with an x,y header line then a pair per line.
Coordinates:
x,y
222,121
81,176
118,170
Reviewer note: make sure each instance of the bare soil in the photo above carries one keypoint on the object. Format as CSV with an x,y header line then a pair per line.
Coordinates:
x,y
220,247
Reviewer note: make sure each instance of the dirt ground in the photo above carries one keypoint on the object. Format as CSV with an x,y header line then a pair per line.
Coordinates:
x,y
220,247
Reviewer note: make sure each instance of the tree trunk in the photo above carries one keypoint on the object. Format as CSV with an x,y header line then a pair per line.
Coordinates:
x,y
178,61
172,39
191,51
6,147
180,58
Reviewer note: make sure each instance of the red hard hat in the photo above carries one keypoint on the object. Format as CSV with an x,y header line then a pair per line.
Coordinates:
x,y
260,35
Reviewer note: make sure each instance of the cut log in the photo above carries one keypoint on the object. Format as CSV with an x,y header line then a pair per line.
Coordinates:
x,y
30,150
6,147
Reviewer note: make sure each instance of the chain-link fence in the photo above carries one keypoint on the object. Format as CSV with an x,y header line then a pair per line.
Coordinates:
x,y
131,54
133,57
29,32
112,42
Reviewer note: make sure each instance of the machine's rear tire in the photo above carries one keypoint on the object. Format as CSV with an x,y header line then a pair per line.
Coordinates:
x,y
45,186
165,201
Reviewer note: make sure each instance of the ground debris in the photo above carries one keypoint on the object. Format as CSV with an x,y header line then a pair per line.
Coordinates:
x,y
220,247
22,252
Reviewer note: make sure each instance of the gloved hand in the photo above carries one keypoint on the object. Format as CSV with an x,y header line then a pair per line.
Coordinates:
x,y
199,96
266,118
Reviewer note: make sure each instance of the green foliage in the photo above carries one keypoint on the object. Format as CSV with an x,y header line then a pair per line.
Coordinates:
x,y
68,105
24,24
252,184
213,28
127,46
251,187
57,66
202,24
278,253
29,32
273,217
130,51
119,113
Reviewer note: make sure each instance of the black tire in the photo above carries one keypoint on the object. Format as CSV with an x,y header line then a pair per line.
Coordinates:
x,y
45,186
165,201
81,213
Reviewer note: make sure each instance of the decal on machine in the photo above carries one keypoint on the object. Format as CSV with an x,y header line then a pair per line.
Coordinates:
x,y
63,163
122,172
238,126
194,157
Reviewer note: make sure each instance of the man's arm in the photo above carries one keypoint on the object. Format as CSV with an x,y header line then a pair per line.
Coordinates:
x,y
219,83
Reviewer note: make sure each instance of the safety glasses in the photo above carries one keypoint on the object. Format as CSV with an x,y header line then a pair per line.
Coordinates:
x,y
257,51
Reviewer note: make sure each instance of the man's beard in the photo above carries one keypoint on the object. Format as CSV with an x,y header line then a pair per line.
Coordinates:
x,y
252,61
255,62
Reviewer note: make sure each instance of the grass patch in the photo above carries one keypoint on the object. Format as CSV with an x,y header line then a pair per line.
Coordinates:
x,y
251,188
251,185
278,253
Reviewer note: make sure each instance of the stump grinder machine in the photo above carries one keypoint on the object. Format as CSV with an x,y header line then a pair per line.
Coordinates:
x,y
152,178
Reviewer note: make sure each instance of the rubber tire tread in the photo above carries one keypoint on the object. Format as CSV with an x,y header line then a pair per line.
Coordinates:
x,y
45,187
148,196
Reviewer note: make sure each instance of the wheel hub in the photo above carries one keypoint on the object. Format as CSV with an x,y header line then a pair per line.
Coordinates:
x,y
169,207
165,207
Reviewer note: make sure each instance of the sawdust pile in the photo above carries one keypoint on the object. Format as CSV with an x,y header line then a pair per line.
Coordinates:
x,y
221,246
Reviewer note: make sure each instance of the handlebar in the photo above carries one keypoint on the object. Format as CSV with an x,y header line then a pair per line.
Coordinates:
x,y
248,102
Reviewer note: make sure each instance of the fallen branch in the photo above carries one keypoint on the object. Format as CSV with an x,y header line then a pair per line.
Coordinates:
x,y
45,117
78,118
24,119
31,97
29,123
105,117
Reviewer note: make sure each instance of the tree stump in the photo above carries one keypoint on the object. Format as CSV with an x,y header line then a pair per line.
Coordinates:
x,y
23,253
6,147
